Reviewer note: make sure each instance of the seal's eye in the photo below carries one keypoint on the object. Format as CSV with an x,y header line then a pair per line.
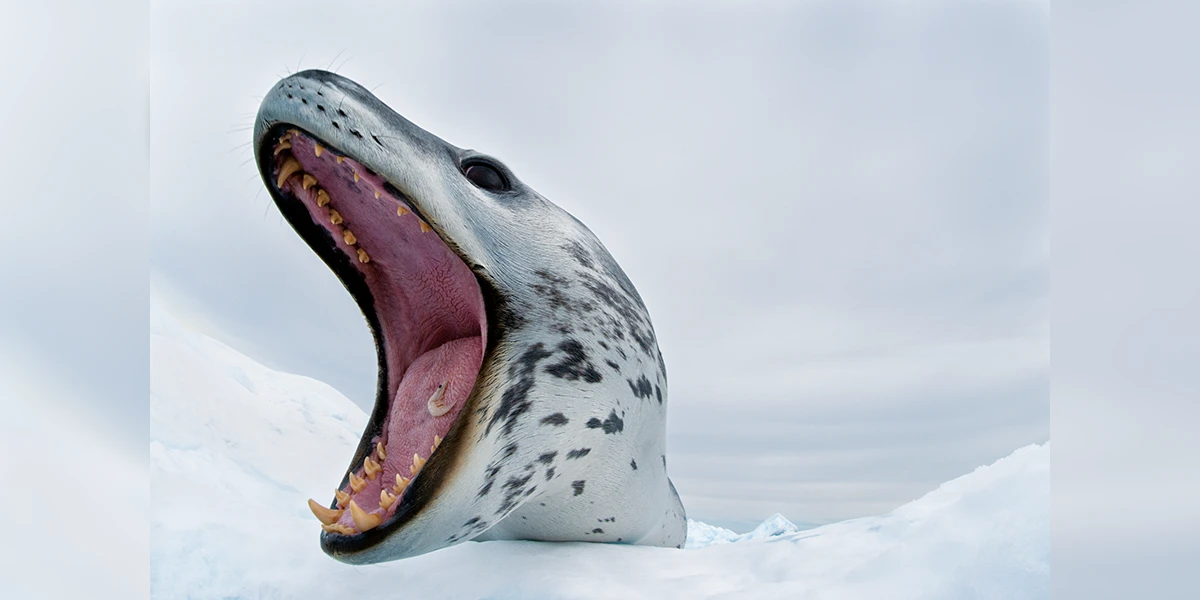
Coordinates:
x,y
485,176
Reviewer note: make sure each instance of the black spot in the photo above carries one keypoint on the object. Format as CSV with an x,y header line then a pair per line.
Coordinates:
x,y
664,457
614,365
515,487
549,473
580,453
580,254
515,400
612,424
483,491
547,457
555,419
597,530
574,364
509,451
471,521
658,392
633,463
642,388
577,486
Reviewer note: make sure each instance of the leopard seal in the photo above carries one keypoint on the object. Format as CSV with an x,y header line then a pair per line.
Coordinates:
x,y
521,391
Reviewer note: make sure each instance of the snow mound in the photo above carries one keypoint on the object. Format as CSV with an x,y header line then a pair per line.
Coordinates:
x,y
237,448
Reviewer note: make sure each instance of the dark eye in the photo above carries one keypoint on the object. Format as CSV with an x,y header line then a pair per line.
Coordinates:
x,y
485,176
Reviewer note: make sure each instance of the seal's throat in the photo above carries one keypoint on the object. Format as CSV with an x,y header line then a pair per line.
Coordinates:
x,y
424,304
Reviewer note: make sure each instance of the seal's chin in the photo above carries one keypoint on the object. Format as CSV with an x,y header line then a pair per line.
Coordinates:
x,y
424,305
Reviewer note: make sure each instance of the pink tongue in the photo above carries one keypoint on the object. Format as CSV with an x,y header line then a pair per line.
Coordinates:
x,y
411,427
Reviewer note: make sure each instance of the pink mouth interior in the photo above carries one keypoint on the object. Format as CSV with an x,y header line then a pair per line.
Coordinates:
x,y
429,307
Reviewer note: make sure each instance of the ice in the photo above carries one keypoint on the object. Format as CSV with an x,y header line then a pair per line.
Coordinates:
x,y
237,448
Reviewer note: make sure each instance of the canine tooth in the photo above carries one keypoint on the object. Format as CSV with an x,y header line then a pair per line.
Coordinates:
x,y
342,498
322,197
371,467
348,237
357,483
362,519
401,483
437,402
437,440
338,528
362,256
325,515
340,159
379,450
335,217
318,149
376,194
425,228
418,462
308,181
386,499
401,211
290,167
356,176
283,145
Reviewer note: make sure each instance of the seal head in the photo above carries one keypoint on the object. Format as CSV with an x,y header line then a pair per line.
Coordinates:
x,y
521,391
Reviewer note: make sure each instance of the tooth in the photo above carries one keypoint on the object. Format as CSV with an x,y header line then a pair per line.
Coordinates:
x,y
371,467
357,483
308,181
338,528
401,211
348,237
335,217
437,402
356,176
327,516
362,256
362,519
386,499
342,498
290,167
376,194
318,149
401,483
340,159
283,145
425,228
322,197
418,462
379,450
437,440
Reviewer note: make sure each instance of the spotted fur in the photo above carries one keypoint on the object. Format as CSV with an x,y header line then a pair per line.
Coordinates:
x,y
571,398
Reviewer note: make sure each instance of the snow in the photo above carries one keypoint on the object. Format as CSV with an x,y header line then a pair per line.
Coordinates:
x,y
237,448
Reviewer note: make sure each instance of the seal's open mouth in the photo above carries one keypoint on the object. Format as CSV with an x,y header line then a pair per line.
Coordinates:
x,y
424,304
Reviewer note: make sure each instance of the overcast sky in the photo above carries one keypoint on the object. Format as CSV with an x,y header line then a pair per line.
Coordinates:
x,y
836,213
